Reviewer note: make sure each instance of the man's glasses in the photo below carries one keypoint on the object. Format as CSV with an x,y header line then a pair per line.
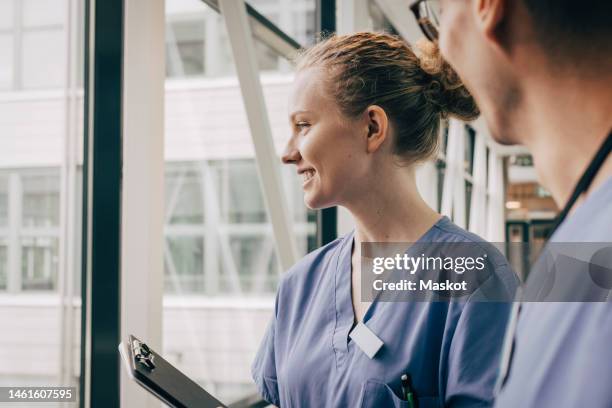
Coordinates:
x,y
427,13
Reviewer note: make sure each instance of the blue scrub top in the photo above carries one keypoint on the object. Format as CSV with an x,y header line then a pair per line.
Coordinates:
x,y
450,349
563,350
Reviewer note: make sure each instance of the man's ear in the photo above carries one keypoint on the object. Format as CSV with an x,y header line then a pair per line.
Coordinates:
x,y
491,16
378,124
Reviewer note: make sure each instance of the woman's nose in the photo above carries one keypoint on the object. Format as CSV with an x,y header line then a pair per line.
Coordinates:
x,y
291,154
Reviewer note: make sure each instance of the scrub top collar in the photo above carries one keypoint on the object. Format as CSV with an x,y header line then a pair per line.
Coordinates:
x,y
343,300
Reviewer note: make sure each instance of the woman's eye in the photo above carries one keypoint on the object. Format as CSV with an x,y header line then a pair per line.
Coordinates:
x,y
302,125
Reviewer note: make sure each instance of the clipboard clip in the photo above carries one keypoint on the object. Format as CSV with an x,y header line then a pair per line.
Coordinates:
x,y
143,354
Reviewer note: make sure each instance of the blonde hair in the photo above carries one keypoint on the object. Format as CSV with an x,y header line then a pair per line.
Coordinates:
x,y
380,69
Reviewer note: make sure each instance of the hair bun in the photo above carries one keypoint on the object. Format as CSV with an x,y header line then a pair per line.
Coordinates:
x,y
443,86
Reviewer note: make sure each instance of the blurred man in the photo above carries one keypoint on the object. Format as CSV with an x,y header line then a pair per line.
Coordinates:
x,y
541,72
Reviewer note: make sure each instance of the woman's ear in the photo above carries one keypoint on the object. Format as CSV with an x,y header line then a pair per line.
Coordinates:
x,y
378,124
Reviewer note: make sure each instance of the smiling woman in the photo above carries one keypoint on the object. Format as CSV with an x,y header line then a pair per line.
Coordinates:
x,y
343,92
365,110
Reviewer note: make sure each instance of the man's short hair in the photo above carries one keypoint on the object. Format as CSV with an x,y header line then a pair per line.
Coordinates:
x,y
580,25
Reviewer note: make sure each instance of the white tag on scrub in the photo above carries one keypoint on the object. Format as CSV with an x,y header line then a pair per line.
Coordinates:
x,y
367,341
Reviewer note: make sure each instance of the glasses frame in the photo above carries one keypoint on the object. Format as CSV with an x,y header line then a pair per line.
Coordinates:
x,y
427,26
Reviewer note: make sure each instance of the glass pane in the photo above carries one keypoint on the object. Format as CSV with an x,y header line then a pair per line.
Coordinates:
x,y
6,13
254,268
44,59
185,48
39,263
221,268
238,189
184,194
184,259
40,199
193,41
43,12
295,17
6,61
41,144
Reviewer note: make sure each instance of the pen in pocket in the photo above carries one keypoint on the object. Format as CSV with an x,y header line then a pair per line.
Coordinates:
x,y
407,391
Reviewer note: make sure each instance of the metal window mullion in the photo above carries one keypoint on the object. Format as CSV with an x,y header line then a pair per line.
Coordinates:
x,y
242,44
327,219
212,216
326,16
67,241
142,178
102,200
85,335
265,31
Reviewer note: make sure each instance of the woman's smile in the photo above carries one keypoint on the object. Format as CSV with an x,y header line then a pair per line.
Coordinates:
x,y
307,175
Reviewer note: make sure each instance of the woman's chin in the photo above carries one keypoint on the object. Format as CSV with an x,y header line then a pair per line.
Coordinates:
x,y
310,204
314,201
319,201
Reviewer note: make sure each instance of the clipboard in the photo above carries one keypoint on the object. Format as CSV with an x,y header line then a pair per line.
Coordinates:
x,y
162,379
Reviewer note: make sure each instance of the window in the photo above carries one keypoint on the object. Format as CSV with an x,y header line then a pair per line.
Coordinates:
x,y
184,257
6,60
39,232
197,254
40,216
33,44
39,263
185,48
221,270
37,13
197,44
6,14
255,265
295,17
40,198
43,48
184,194
29,229
238,190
